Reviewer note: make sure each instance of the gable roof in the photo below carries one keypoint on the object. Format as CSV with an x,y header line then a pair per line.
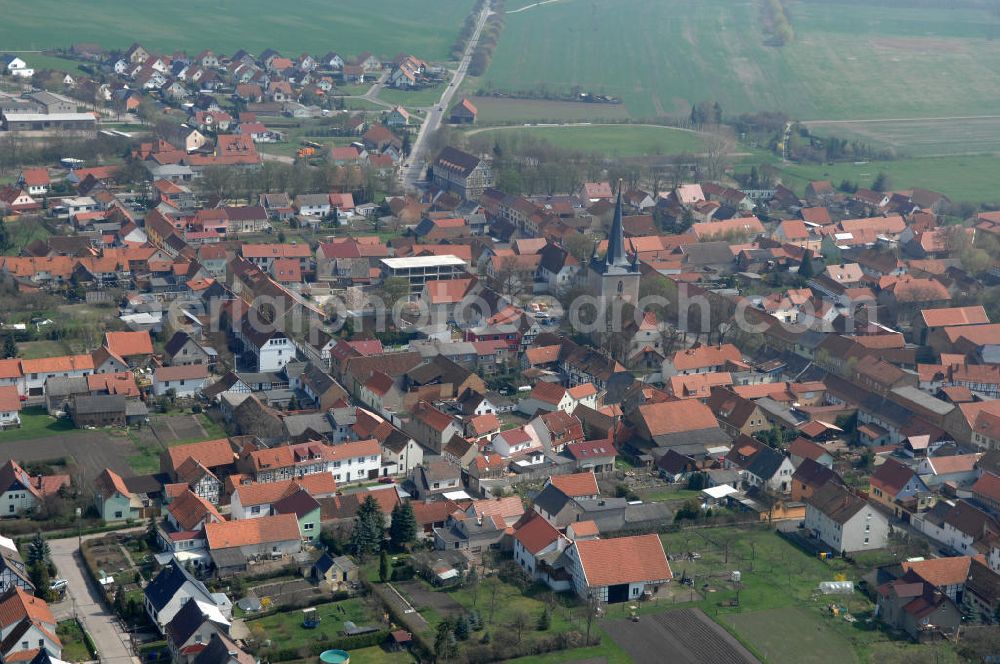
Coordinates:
x,y
836,502
209,453
623,560
536,534
126,344
577,484
250,532
169,581
941,571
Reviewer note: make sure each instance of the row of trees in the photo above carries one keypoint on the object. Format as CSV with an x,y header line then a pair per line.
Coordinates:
x,y
488,40
777,23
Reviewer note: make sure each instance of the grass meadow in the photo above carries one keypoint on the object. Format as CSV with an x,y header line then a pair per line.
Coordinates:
x,y
615,140
962,178
847,61
349,27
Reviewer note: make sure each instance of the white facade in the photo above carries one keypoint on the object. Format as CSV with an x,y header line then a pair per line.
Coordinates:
x,y
20,501
9,418
183,387
864,531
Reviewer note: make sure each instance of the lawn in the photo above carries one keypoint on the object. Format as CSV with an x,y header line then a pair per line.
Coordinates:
x,y
74,645
286,631
615,140
774,573
22,233
969,178
667,492
412,98
848,60
776,646
372,655
384,27
36,423
497,110
39,61
33,350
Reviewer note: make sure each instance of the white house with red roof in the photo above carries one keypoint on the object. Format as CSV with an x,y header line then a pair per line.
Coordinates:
x,y
519,441
35,181
537,546
10,407
548,397
27,626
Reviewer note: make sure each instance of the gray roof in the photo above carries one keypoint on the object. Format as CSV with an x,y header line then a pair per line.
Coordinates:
x,y
60,386
102,403
924,400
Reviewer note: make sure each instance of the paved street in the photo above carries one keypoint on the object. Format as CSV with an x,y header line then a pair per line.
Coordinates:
x,y
413,168
83,598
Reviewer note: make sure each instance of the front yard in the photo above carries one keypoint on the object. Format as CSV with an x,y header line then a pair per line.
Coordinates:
x,y
77,647
37,423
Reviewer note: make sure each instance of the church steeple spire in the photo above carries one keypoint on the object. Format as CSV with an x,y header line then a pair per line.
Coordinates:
x,y
616,256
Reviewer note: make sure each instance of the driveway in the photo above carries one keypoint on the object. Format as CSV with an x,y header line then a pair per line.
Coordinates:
x,y
83,598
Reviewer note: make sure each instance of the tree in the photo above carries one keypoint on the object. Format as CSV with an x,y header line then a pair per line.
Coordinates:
x,y
580,246
544,620
9,347
518,623
38,572
806,268
384,568
39,551
393,290
4,237
403,528
369,528
445,646
462,628
882,182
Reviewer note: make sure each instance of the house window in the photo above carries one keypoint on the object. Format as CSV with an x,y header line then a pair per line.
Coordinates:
x,y
255,509
118,515
866,540
308,526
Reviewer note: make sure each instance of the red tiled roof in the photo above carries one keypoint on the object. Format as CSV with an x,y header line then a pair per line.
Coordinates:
x,y
577,484
536,534
16,605
669,417
58,364
209,453
941,572
126,344
189,509
623,560
10,400
250,532
988,486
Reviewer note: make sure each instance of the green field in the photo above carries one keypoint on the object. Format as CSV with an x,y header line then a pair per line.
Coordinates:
x,y
776,646
847,60
412,98
969,179
499,110
920,138
36,423
38,61
384,27
616,140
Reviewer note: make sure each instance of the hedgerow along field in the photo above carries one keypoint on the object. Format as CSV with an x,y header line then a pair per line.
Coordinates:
x,y
349,27
846,60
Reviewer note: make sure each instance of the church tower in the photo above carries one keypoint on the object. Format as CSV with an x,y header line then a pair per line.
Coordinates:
x,y
616,275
